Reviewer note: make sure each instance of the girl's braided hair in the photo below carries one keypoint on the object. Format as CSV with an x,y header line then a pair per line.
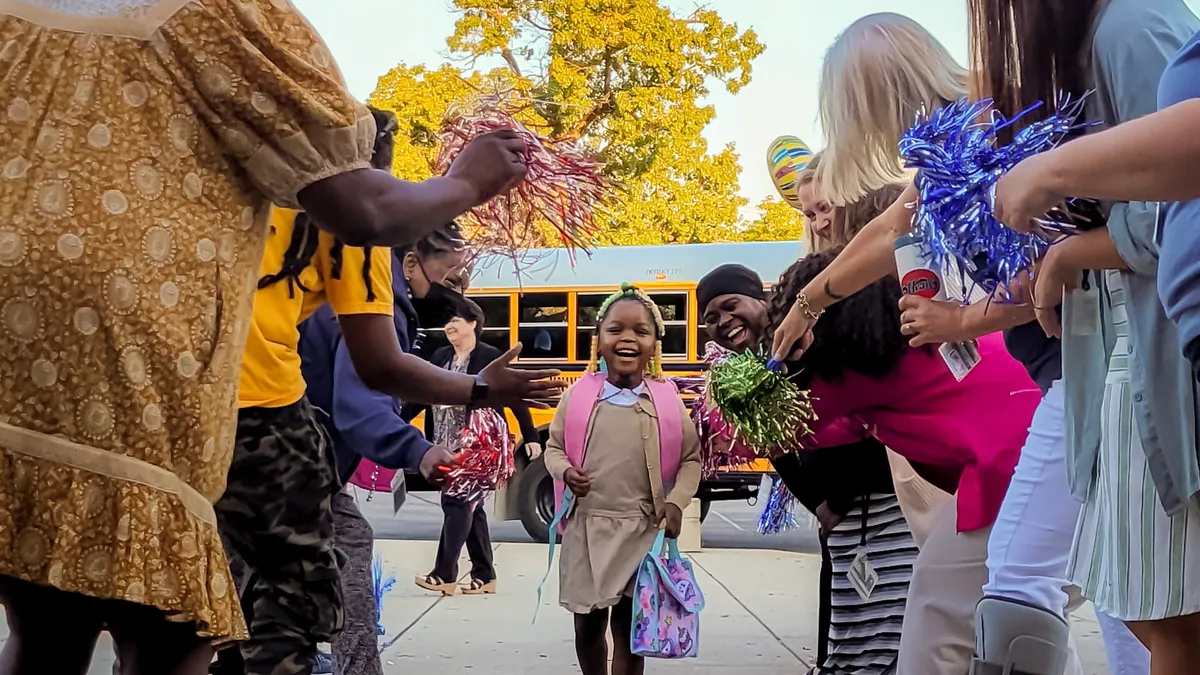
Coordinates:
x,y
630,292
860,334
306,236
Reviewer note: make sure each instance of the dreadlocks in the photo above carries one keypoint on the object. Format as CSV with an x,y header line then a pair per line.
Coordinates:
x,y
306,236
629,292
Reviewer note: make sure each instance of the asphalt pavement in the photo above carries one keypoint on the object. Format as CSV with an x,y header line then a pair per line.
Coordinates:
x,y
730,525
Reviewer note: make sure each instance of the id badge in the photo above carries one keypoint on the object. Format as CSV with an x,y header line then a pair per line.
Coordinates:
x,y
1083,315
960,357
862,576
399,492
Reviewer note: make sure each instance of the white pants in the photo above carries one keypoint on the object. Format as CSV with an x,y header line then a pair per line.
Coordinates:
x,y
1031,540
1030,543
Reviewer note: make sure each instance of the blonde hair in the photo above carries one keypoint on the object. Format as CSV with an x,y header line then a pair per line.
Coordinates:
x,y
877,75
809,173
806,176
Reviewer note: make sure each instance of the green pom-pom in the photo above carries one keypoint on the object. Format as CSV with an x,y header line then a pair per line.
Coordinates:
x,y
767,409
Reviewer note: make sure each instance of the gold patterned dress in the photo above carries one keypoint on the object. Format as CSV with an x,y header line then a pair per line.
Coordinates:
x,y
141,142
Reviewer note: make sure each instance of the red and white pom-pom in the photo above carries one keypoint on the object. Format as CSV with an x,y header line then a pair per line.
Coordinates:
x,y
563,187
485,458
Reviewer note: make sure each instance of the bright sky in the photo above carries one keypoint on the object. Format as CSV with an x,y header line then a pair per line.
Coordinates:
x,y
370,36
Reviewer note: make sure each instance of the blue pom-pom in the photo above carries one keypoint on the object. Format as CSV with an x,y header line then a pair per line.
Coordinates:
x,y
779,513
958,163
382,585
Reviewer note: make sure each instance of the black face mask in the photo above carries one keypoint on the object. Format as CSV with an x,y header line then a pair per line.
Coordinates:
x,y
438,307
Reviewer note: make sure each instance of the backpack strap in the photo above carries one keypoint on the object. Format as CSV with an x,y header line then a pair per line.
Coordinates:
x,y
580,406
670,428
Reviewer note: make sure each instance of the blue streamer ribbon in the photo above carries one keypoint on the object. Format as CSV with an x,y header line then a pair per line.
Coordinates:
x,y
563,509
381,586
779,512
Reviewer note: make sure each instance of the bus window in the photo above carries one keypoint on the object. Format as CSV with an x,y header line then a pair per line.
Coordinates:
x,y
673,307
495,320
587,308
702,340
543,325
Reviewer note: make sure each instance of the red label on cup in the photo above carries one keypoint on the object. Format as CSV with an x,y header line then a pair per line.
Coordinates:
x,y
921,282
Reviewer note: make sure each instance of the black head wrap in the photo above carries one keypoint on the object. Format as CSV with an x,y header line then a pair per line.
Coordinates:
x,y
729,279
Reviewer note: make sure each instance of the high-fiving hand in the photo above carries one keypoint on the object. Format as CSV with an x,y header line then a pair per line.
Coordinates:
x,y
508,385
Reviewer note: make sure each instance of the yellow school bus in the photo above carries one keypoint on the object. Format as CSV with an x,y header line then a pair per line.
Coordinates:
x,y
548,303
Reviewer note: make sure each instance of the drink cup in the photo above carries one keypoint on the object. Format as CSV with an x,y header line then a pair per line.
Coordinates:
x,y
917,274
919,277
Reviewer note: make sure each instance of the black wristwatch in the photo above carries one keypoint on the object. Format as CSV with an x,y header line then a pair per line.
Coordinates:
x,y
480,390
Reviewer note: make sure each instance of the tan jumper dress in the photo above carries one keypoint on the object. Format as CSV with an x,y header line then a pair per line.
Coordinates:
x,y
614,526
141,143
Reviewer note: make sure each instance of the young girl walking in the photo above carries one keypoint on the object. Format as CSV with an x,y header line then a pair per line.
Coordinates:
x,y
623,443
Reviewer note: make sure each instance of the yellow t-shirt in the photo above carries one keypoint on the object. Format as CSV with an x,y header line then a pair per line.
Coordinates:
x,y
271,376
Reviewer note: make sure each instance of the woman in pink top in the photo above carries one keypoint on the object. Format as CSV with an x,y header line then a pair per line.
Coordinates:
x,y
963,436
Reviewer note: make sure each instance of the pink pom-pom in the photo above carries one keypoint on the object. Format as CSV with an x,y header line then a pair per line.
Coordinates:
x,y
564,186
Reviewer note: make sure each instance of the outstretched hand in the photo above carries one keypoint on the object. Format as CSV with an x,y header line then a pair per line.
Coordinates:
x,y
508,385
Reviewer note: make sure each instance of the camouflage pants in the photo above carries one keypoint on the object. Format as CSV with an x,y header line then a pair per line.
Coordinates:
x,y
356,647
276,522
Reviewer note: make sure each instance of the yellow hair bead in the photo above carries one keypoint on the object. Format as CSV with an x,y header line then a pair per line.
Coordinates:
x,y
594,364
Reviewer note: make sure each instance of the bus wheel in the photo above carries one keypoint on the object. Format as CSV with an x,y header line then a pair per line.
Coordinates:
x,y
535,500
704,506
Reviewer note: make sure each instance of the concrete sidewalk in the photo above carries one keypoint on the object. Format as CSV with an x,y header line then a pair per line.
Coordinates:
x,y
760,618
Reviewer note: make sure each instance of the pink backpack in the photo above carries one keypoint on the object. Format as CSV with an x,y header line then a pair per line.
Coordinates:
x,y
585,394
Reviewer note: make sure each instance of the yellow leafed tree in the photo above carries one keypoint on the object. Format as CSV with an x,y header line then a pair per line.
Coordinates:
x,y
777,221
624,77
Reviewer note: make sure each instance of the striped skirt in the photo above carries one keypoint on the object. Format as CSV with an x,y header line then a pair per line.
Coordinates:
x,y
1132,560
864,635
